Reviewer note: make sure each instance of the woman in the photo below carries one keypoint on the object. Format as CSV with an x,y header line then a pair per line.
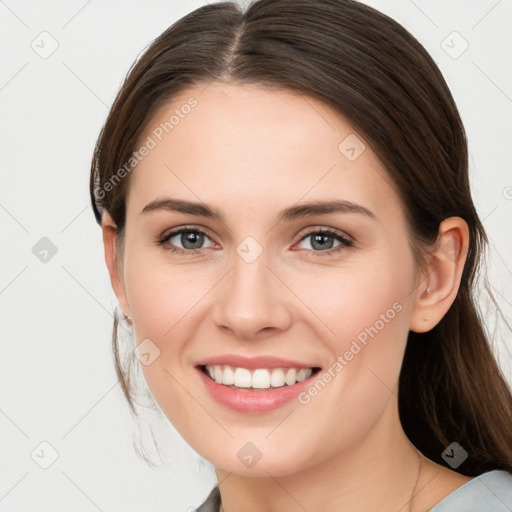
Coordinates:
x,y
289,230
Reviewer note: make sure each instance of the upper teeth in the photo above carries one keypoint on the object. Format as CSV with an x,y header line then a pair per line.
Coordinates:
x,y
261,378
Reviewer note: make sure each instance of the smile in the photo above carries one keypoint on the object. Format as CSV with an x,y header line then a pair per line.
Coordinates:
x,y
257,390
260,378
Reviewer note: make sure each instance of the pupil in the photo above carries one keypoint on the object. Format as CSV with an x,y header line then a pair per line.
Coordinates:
x,y
195,239
320,239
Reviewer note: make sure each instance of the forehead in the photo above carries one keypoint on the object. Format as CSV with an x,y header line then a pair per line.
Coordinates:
x,y
225,144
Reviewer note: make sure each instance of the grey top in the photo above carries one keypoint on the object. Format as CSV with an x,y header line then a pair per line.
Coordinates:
x,y
488,492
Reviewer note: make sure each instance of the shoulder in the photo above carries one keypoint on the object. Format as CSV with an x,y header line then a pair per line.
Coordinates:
x,y
488,492
212,502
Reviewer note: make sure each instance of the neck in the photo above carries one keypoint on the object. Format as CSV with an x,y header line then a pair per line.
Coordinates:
x,y
378,473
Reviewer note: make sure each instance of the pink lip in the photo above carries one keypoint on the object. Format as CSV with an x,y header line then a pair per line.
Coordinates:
x,y
254,362
255,402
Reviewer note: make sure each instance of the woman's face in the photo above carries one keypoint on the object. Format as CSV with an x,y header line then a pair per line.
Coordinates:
x,y
262,289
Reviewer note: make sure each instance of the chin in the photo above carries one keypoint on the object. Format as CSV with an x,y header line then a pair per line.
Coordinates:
x,y
276,463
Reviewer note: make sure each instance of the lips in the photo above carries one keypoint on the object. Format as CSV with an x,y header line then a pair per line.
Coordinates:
x,y
253,363
254,385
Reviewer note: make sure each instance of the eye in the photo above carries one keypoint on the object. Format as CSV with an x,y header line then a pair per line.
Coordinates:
x,y
321,242
191,240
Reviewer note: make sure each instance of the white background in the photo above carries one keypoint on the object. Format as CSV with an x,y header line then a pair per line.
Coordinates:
x,y
57,379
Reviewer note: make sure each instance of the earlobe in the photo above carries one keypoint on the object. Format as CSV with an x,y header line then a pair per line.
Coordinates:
x,y
109,232
443,274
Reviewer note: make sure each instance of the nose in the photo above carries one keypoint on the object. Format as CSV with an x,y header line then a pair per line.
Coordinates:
x,y
251,300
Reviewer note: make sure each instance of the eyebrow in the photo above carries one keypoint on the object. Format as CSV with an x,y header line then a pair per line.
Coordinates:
x,y
293,212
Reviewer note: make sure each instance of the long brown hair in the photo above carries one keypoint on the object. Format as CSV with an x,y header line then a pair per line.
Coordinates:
x,y
377,75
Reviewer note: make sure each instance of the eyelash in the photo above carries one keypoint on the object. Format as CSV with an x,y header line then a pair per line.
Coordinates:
x,y
345,242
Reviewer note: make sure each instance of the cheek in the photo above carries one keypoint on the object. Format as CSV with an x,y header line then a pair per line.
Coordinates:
x,y
363,317
162,302
362,313
165,301
355,296
161,296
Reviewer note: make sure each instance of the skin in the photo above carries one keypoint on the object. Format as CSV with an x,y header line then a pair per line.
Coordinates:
x,y
252,152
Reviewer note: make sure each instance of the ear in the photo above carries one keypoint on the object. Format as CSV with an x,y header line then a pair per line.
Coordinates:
x,y
443,272
112,259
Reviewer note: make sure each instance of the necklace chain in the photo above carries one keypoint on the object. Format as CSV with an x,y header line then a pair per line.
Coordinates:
x,y
415,485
